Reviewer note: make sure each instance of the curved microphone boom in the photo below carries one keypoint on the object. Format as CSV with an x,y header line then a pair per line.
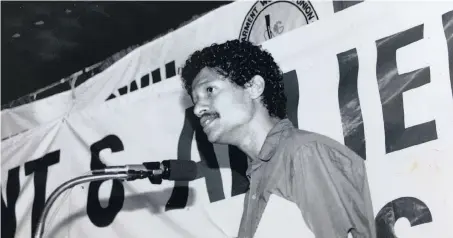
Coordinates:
x,y
175,170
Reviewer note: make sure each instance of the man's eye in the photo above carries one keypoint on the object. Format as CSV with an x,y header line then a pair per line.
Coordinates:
x,y
209,89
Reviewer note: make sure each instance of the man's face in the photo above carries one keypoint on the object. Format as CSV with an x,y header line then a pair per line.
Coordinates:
x,y
222,106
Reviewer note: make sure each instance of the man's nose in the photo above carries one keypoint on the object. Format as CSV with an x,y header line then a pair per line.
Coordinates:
x,y
200,108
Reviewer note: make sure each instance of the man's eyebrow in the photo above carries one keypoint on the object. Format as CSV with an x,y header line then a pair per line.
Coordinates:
x,y
203,82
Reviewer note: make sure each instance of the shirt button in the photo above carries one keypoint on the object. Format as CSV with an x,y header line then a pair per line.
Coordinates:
x,y
253,196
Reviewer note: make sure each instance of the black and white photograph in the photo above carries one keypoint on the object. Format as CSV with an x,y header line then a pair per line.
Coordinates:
x,y
227,119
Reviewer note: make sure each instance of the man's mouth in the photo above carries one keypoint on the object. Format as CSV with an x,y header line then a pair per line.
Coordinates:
x,y
208,119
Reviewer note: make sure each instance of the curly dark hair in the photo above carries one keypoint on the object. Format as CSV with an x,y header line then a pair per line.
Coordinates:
x,y
240,61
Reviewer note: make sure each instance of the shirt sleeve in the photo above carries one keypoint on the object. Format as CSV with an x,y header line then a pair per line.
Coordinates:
x,y
330,186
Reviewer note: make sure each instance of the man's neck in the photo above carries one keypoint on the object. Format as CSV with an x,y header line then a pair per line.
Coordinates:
x,y
253,139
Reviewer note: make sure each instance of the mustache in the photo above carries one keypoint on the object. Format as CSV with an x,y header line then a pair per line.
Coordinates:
x,y
210,114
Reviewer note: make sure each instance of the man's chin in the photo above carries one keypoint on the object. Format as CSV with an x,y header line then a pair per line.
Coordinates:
x,y
215,138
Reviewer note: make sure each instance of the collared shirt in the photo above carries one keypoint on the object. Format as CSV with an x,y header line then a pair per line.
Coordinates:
x,y
326,180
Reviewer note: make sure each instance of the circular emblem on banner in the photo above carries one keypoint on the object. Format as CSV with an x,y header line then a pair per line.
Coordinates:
x,y
268,19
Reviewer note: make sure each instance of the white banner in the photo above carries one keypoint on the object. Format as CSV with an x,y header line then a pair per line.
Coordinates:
x,y
376,77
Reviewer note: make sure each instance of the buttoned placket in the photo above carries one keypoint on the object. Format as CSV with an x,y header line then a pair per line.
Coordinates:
x,y
252,202
260,197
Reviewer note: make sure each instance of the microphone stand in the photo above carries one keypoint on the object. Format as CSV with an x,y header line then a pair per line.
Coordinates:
x,y
69,184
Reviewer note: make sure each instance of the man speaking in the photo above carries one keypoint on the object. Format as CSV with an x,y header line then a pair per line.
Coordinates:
x,y
238,92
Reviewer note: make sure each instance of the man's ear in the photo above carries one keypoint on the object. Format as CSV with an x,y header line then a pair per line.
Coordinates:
x,y
255,86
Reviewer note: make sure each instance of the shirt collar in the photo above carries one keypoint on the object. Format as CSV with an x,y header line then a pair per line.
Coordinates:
x,y
269,147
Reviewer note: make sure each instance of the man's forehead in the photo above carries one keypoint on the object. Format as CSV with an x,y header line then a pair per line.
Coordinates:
x,y
205,75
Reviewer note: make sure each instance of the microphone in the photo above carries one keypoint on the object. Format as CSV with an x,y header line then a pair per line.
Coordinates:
x,y
174,170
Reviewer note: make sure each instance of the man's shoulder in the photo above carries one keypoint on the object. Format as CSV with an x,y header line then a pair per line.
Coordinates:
x,y
304,137
299,138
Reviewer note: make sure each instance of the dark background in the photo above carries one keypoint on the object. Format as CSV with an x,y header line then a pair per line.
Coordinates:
x,y
44,42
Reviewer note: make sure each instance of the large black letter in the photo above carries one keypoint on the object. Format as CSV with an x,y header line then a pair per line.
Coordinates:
x,y
98,215
238,165
447,20
208,167
9,211
291,83
339,5
391,88
408,207
349,102
39,167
